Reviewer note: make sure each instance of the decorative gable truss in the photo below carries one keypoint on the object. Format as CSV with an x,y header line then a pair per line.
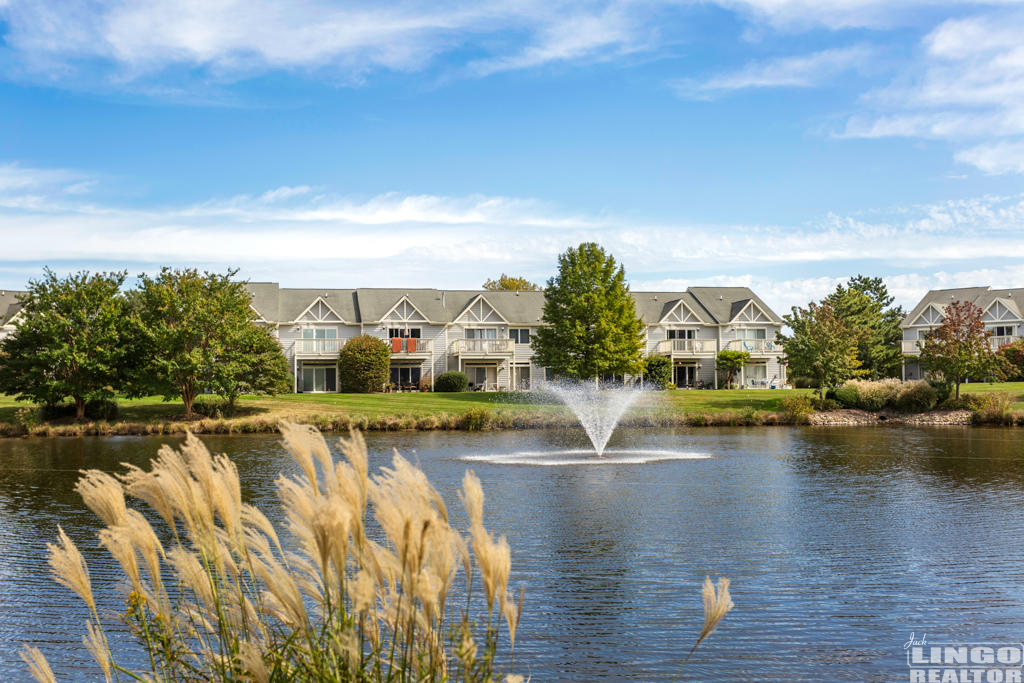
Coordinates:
x,y
681,313
752,313
930,316
480,312
320,312
1001,311
404,312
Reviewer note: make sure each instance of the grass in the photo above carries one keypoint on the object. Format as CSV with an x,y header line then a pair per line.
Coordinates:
x,y
465,410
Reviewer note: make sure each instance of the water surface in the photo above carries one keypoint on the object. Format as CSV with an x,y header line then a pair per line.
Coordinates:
x,y
839,542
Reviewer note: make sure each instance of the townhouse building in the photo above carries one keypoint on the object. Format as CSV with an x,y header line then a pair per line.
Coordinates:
x,y
10,304
487,334
1002,317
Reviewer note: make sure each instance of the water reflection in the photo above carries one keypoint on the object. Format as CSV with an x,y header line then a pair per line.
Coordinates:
x,y
839,543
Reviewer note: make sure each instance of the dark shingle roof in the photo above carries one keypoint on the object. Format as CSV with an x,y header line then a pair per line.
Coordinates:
x,y
10,304
979,296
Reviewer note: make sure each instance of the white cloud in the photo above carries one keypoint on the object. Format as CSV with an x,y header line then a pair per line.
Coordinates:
x,y
966,86
801,71
302,237
1001,157
150,45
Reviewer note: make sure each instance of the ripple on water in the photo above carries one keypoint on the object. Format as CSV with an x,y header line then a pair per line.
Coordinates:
x,y
583,457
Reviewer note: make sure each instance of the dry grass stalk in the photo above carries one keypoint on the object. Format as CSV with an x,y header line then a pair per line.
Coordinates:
x,y
336,605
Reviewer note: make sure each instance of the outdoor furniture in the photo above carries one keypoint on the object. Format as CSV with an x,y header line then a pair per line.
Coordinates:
x,y
410,344
396,345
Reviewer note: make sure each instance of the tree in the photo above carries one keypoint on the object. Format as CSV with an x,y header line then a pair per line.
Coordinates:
x,y
730,362
864,302
591,326
363,365
1012,356
510,283
190,323
659,371
253,363
823,345
71,341
959,348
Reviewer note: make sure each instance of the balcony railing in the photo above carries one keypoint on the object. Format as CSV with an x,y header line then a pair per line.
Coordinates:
x,y
998,342
913,346
409,345
318,347
483,347
685,346
754,345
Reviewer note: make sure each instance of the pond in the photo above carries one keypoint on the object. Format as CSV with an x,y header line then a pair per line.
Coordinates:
x,y
839,542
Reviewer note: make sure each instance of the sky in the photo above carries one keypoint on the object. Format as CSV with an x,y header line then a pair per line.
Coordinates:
x,y
784,145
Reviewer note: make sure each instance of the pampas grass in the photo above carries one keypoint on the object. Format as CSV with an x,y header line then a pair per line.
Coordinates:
x,y
226,599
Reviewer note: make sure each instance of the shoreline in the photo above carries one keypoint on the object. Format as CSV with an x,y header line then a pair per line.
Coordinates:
x,y
480,420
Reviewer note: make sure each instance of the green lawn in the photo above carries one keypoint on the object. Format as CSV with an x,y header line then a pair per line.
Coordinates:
x,y
154,410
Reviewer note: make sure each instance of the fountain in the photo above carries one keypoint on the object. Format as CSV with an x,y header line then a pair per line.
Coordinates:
x,y
598,410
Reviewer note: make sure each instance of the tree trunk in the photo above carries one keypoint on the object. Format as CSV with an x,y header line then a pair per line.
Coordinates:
x,y
188,397
958,388
79,409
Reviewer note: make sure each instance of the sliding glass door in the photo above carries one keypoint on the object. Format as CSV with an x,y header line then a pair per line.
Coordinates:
x,y
319,379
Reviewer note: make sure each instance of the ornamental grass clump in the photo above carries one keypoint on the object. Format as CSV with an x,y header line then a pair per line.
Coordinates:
x,y
329,597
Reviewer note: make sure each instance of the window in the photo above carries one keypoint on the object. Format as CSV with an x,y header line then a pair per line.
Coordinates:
x,y
403,332
756,374
1002,331
748,333
405,375
481,333
682,334
316,339
316,379
520,335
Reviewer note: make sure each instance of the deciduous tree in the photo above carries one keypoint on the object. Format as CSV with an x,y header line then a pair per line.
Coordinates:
x,y
252,363
730,362
191,322
71,341
591,326
510,283
959,347
823,345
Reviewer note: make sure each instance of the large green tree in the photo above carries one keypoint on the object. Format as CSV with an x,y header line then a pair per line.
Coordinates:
x,y
823,345
252,363
71,341
866,306
510,283
191,324
959,347
591,326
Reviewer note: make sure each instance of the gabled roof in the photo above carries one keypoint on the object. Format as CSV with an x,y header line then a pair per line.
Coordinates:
x,y
321,310
475,307
10,304
725,303
404,310
982,297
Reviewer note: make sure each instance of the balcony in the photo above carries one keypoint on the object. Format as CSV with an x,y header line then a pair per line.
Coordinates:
x,y
997,343
910,346
317,348
409,347
483,348
684,347
757,347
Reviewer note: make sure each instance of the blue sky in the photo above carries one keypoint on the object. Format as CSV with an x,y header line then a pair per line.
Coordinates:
x,y
781,144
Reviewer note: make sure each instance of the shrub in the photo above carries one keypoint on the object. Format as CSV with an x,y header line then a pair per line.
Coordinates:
x,y
943,389
28,418
847,395
916,397
320,602
475,419
796,408
99,409
994,408
659,371
451,381
877,395
825,404
801,382
364,365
